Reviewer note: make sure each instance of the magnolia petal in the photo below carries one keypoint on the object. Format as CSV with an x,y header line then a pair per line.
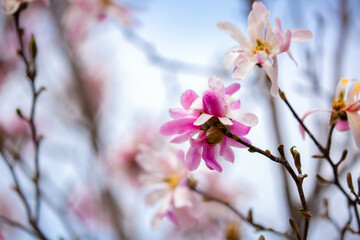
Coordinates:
x,y
226,152
154,196
184,137
193,157
242,117
217,85
272,72
261,57
236,105
232,88
10,7
232,143
181,197
209,155
178,113
177,126
278,24
225,121
354,123
196,105
242,69
203,118
187,98
185,218
302,130
146,179
239,129
285,45
234,32
212,104
342,125
199,141
292,58
301,35
231,56
162,211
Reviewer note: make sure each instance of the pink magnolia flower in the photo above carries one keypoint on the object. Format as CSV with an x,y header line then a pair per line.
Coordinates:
x,y
168,172
265,44
9,7
82,14
210,116
345,108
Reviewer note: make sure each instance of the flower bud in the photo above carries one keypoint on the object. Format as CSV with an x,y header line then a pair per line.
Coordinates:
x,y
214,135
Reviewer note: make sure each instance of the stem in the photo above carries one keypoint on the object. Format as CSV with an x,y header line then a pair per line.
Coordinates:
x,y
31,74
258,227
282,160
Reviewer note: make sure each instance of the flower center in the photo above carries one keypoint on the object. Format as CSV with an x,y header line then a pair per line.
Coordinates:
x,y
173,180
339,103
107,2
261,46
215,131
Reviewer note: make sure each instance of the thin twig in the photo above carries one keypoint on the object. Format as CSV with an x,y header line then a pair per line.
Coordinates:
x,y
281,160
258,227
17,225
31,74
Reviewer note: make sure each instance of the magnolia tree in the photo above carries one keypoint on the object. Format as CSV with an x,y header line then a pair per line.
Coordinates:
x,y
64,179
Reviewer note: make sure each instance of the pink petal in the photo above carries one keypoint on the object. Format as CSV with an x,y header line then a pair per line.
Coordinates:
x,y
184,136
193,157
187,98
226,152
217,85
261,57
291,57
302,130
301,35
232,143
231,56
209,155
177,126
342,125
212,104
234,32
232,88
178,113
200,141
278,24
239,129
272,72
236,105
240,116
287,41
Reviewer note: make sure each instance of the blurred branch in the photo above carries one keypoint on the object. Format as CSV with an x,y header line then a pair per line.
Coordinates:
x,y
17,225
248,220
31,74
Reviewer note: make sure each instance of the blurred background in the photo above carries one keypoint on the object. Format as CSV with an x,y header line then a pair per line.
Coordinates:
x,y
111,72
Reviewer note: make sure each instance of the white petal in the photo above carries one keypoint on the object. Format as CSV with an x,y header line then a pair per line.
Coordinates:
x,y
234,32
152,197
181,197
225,121
272,72
243,69
217,85
245,118
354,123
196,105
301,35
203,118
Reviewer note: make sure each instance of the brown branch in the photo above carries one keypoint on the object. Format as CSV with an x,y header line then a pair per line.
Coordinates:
x,y
17,225
257,226
31,74
281,160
